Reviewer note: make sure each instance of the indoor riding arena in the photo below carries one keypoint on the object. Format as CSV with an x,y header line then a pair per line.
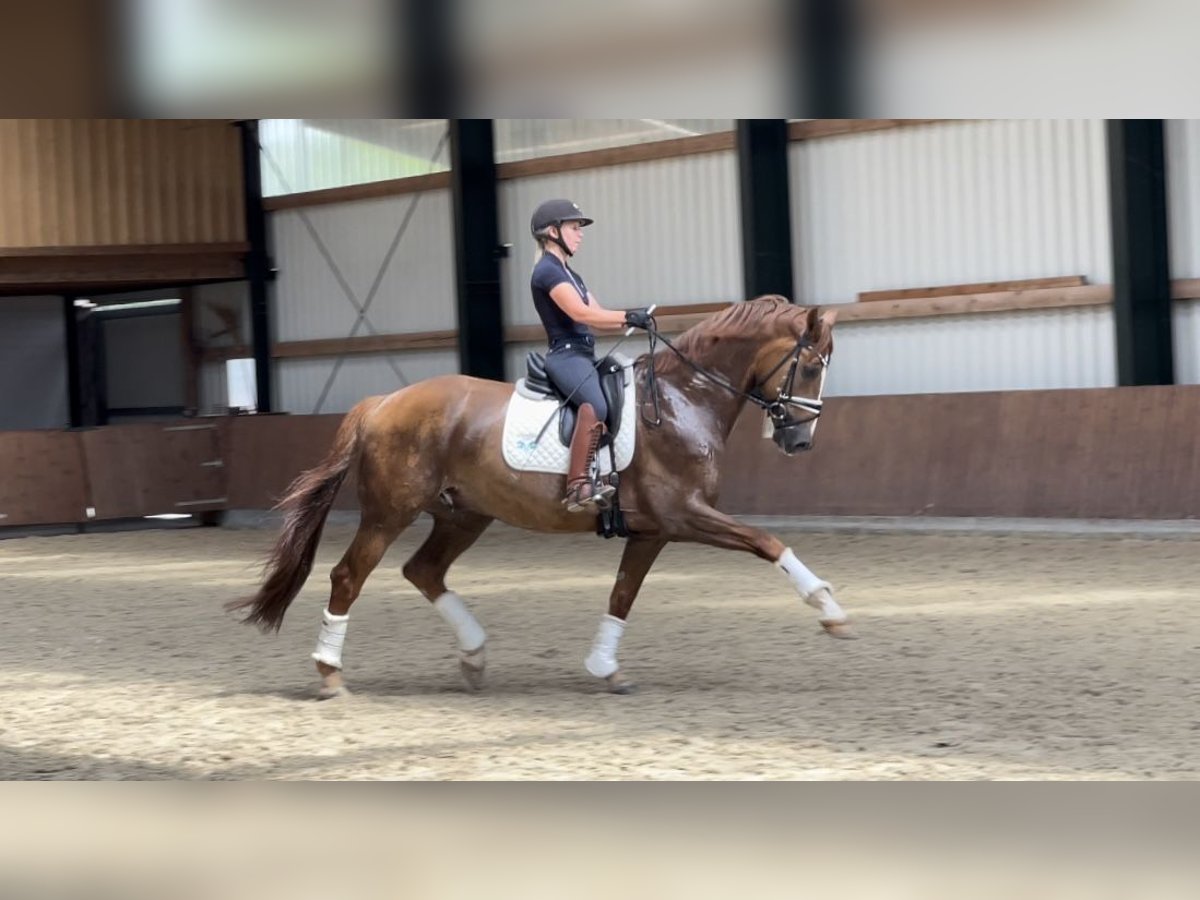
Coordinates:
x,y
1001,494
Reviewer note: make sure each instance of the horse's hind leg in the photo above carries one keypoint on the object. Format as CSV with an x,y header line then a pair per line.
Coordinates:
x,y
362,556
450,538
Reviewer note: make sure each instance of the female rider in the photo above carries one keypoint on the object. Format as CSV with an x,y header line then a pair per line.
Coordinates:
x,y
569,312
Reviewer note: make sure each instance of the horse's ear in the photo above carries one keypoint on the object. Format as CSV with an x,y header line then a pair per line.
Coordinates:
x,y
812,324
818,323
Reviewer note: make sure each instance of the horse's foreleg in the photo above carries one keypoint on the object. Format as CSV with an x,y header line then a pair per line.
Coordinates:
x,y
427,571
710,526
360,559
636,561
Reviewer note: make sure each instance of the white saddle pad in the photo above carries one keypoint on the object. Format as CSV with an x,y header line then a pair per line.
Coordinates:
x,y
526,418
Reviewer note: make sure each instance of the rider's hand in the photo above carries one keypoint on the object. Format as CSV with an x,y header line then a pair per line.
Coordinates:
x,y
638,318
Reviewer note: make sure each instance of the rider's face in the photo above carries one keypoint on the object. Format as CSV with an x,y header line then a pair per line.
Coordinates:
x,y
572,235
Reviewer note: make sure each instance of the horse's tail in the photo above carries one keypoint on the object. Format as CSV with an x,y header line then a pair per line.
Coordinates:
x,y
307,502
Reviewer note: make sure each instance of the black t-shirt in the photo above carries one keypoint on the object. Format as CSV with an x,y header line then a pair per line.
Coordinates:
x,y
550,272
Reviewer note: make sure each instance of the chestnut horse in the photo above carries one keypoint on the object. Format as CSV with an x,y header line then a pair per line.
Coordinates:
x,y
435,446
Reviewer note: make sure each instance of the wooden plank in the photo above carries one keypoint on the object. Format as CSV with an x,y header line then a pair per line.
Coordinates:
x,y
812,129
266,453
142,470
44,481
393,187
381,343
999,453
313,349
675,319
1003,301
996,453
617,156
102,288
69,272
686,309
232,247
987,287
1185,289
423,340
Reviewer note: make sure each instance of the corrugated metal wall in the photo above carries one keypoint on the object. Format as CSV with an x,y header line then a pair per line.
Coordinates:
x,y
416,291
1185,320
314,154
86,182
1055,348
1183,196
666,232
1183,206
1058,348
301,381
925,205
949,203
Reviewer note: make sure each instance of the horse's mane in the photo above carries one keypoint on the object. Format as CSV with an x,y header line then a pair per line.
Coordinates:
x,y
750,318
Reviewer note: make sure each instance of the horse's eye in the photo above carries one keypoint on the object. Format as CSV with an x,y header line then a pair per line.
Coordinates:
x,y
811,371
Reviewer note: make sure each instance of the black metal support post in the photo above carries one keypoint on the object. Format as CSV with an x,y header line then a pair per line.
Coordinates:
x,y
430,71
828,68
74,371
477,249
765,204
1141,255
258,264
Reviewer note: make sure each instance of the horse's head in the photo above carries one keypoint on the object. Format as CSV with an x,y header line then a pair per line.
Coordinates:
x,y
789,375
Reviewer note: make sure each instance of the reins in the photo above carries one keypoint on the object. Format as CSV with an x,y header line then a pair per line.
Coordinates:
x,y
776,409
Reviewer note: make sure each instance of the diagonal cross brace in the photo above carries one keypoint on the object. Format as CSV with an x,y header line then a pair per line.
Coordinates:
x,y
360,309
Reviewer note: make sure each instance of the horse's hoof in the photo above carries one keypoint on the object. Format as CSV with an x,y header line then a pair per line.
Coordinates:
x,y
331,692
619,684
841,630
472,665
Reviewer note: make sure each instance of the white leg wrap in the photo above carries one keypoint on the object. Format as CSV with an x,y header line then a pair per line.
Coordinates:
x,y
331,639
470,633
804,580
816,593
602,661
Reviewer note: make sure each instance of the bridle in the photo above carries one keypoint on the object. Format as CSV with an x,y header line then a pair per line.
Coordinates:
x,y
776,409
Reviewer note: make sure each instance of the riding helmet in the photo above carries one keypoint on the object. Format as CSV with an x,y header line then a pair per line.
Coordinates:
x,y
554,213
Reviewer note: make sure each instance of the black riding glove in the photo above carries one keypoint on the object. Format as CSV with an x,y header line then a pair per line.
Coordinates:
x,y
638,318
